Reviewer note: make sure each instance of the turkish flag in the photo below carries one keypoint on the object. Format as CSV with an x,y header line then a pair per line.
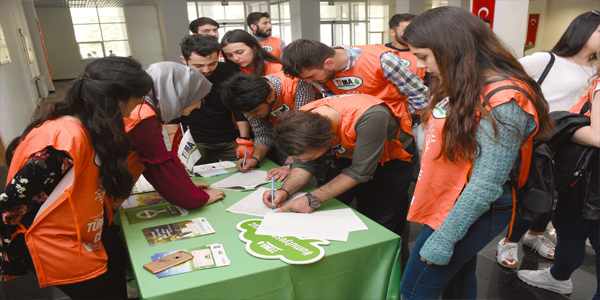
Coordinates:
x,y
534,19
484,9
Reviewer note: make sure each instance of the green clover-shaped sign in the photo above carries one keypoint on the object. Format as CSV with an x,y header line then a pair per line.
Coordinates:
x,y
291,250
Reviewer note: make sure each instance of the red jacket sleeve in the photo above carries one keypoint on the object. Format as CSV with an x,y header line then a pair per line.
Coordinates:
x,y
163,170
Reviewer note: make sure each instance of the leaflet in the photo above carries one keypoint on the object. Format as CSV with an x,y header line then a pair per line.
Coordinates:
x,y
161,234
205,257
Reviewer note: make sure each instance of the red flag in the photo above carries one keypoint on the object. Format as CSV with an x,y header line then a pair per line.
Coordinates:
x,y
484,9
176,140
534,19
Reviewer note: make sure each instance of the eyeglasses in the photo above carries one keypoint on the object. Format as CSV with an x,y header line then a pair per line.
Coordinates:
x,y
596,12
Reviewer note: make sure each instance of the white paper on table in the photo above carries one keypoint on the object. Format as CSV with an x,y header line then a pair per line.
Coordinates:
x,y
356,223
316,226
254,206
242,181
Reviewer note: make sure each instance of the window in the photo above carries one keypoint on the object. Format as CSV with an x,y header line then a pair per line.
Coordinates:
x,y
232,15
344,23
100,32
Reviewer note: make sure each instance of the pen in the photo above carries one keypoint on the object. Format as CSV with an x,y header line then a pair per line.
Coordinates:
x,y
272,191
244,162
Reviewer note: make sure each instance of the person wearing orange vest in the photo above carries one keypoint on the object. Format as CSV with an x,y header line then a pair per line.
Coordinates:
x,y
577,213
260,23
241,49
480,119
263,100
62,169
359,135
397,25
368,69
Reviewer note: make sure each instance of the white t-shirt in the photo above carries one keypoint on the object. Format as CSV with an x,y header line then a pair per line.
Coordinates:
x,y
565,83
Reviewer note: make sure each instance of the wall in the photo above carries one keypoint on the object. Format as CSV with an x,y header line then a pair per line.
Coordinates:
x,y
143,30
18,99
61,46
510,24
174,23
558,14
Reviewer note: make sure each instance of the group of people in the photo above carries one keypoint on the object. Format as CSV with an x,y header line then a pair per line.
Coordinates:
x,y
348,116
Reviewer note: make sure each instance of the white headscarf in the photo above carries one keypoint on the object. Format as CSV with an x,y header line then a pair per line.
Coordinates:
x,y
177,87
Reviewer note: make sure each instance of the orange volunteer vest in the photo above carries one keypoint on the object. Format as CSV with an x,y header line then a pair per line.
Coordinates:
x,y
366,77
270,68
579,105
64,241
352,107
440,181
135,166
286,99
273,46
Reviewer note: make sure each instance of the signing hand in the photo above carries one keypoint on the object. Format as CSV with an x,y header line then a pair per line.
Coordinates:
x,y
278,198
280,173
298,205
250,163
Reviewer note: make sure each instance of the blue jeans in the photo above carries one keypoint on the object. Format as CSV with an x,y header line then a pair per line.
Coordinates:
x,y
521,226
456,280
572,231
380,199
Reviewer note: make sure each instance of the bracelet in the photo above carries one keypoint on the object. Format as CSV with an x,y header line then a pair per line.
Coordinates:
x,y
288,193
252,157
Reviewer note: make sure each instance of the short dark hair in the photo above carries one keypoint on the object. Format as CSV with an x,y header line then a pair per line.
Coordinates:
x,y
304,54
486,20
243,93
298,132
397,18
203,45
254,17
577,34
201,22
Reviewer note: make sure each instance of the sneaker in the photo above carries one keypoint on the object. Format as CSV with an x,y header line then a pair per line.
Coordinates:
x,y
543,279
540,244
507,254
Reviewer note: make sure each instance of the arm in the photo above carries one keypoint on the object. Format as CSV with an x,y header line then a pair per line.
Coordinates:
x,y
405,81
490,172
243,127
296,180
171,130
263,138
590,135
164,171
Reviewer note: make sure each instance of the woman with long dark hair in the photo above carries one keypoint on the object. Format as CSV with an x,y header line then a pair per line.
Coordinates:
x,y
484,110
61,231
242,49
575,61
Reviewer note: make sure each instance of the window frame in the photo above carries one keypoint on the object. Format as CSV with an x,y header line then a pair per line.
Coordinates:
x,y
102,41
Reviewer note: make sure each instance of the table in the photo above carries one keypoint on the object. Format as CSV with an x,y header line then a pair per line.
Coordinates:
x,y
367,266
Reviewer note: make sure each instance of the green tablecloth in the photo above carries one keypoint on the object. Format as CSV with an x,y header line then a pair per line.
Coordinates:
x,y
367,266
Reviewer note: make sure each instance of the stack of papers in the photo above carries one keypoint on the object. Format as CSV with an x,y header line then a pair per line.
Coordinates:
x,y
328,225
242,181
254,206
215,169
142,186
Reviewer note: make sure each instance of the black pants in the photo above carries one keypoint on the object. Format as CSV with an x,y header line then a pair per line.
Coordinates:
x,y
110,285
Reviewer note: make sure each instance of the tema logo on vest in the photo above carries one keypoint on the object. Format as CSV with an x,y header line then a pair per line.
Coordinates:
x,y
268,48
441,109
406,62
339,149
280,110
347,83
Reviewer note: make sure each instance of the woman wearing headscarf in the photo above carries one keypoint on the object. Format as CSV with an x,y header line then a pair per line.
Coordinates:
x,y
179,90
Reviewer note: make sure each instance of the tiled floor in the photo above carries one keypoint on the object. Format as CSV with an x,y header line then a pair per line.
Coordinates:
x,y
493,281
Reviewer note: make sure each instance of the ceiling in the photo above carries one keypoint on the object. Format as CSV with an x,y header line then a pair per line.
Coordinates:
x,y
91,3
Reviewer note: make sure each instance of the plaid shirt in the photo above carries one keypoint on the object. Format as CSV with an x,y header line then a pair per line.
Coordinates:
x,y
395,72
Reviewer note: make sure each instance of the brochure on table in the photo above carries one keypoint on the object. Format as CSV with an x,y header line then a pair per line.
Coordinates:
x,y
142,186
161,234
205,257
242,181
143,199
254,206
215,169
154,212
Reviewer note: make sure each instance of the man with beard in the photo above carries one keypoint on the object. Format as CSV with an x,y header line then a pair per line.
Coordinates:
x,y
397,25
212,125
263,100
260,23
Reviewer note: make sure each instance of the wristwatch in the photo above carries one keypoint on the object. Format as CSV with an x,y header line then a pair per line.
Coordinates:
x,y
289,165
313,201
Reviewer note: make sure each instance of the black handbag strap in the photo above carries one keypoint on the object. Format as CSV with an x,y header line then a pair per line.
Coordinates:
x,y
547,69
